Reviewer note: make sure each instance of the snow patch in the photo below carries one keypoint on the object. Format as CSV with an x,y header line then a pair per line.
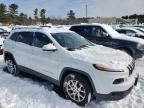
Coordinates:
x,y
16,92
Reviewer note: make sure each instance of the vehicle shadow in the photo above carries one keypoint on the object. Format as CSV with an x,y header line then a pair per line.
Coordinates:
x,y
37,80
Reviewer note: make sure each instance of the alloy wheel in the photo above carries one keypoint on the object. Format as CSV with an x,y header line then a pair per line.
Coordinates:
x,y
11,66
75,90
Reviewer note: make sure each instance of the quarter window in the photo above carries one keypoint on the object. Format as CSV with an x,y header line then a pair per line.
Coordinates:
x,y
40,40
14,36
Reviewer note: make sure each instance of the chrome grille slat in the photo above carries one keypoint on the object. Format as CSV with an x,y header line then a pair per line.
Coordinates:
x,y
131,67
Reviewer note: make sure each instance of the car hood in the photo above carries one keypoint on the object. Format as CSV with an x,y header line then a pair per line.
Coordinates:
x,y
101,55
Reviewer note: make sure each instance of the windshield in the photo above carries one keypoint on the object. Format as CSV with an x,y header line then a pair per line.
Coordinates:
x,y
111,31
71,40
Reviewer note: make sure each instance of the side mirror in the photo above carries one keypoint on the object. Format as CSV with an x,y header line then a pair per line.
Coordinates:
x,y
106,35
49,47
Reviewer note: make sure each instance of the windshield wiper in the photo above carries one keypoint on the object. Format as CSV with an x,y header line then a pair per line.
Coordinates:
x,y
83,46
70,49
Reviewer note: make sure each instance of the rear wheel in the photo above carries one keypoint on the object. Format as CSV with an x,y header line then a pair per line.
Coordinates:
x,y
11,66
77,89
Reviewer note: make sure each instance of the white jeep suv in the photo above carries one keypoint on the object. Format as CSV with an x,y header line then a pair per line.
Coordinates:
x,y
82,70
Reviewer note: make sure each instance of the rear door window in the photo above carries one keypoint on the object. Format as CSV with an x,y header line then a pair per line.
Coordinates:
x,y
76,29
86,31
25,37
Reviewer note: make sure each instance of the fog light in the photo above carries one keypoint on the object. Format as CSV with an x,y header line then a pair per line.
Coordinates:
x,y
118,81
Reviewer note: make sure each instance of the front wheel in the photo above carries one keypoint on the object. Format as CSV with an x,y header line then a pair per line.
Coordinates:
x,y
77,88
11,66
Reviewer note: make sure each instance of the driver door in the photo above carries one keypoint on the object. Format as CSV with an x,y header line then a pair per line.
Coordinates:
x,y
99,36
45,62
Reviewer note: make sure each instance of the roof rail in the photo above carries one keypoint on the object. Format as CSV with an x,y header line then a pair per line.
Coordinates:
x,y
95,23
26,27
83,23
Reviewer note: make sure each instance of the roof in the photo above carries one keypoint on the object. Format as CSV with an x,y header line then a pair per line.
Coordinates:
x,y
40,28
106,27
58,30
89,24
128,28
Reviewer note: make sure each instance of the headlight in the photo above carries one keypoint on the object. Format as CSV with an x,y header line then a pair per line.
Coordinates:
x,y
104,68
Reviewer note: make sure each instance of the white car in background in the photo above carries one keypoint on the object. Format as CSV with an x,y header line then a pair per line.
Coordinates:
x,y
1,45
138,28
6,28
131,31
105,35
82,70
3,35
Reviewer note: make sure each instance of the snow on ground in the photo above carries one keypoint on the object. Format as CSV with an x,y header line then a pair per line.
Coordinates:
x,y
24,92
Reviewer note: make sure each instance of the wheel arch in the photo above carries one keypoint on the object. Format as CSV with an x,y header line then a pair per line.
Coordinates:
x,y
69,70
8,54
131,50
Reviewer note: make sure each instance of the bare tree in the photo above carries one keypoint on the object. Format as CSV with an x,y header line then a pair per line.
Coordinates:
x,y
43,16
36,14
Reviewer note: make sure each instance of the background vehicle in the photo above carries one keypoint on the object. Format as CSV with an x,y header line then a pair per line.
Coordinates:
x,y
83,70
3,35
140,29
1,45
131,31
104,35
140,26
6,28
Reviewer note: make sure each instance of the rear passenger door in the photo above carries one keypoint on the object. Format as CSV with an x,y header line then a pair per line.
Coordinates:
x,y
23,48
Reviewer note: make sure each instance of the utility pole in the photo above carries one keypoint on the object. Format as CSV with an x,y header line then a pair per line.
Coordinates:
x,y
86,10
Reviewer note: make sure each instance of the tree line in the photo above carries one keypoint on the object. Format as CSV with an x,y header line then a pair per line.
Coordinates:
x,y
11,15
135,16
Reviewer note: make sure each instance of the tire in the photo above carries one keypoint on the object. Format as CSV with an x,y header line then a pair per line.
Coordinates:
x,y
77,89
11,66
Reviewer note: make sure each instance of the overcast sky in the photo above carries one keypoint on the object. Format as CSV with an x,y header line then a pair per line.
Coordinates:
x,y
60,8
